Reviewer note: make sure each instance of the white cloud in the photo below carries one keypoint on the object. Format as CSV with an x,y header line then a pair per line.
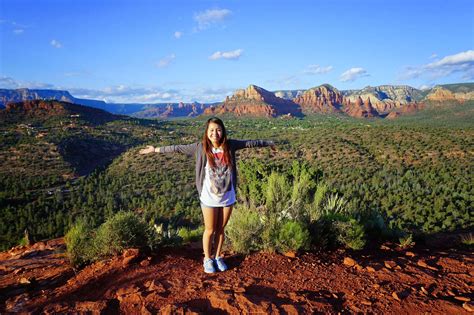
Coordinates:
x,y
317,69
425,86
210,17
353,74
8,83
178,34
56,44
462,63
233,54
129,94
18,31
164,62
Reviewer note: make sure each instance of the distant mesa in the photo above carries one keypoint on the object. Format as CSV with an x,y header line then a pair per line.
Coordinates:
x,y
322,99
41,110
385,98
255,101
451,92
172,110
378,101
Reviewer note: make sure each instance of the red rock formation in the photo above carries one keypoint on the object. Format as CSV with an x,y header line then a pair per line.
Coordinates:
x,y
393,115
36,108
406,109
321,99
255,101
361,109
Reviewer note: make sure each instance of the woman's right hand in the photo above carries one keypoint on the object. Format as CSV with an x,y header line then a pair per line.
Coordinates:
x,y
148,149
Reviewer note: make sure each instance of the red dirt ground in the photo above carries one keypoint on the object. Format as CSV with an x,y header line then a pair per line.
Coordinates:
x,y
388,280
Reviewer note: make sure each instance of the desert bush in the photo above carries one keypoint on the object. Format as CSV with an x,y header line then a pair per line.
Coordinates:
x,y
80,244
468,240
121,231
189,235
350,234
293,236
406,240
244,230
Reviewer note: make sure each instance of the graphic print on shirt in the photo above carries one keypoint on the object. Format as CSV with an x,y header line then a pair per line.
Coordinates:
x,y
220,176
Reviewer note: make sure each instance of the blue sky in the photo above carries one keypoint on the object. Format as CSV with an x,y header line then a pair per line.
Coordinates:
x,y
169,51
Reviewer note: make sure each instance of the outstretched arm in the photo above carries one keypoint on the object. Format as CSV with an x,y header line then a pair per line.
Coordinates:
x,y
188,149
242,144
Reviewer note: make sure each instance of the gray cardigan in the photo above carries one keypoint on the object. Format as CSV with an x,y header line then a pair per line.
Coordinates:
x,y
201,158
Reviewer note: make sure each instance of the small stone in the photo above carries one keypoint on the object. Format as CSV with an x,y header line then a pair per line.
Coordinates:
x,y
358,267
239,290
451,293
424,290
462,298
131,252
365,302
370,269
376,285
17,271
390,264
396,297
349,262
145,263
290,254
468,306
410,254
24,280
383,247
423,264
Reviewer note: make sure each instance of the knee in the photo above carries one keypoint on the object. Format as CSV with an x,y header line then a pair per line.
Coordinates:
x,y
209,231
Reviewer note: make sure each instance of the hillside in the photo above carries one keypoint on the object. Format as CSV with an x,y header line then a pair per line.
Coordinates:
x,y
375,164
388,279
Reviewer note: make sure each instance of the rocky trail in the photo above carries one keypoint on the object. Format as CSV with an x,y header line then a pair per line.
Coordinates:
x,y
389,280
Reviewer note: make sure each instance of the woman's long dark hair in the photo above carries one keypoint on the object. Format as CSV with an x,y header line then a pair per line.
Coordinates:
x,y
207,144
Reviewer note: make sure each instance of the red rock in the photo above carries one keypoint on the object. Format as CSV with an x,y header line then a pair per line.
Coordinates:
x,y
349,262
223,301
370,269
321,99
290,254
396,297
361,109
468,306
423,264
255,101
390,264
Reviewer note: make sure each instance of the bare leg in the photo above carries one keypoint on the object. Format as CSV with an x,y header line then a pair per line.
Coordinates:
x,y
222,219
210,219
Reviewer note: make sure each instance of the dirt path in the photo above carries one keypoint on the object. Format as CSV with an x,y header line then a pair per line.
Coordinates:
x,y
385,280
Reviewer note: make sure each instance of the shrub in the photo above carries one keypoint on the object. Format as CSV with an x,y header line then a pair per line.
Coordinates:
x,y
189,235
245,230
292,236
121,231
468,240
80,247
351,234
406,240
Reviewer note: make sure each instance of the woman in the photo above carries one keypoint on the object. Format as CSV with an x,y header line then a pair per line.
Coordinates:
x,y
216,182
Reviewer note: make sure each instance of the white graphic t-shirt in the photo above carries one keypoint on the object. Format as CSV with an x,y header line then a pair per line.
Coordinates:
x,y
217,190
